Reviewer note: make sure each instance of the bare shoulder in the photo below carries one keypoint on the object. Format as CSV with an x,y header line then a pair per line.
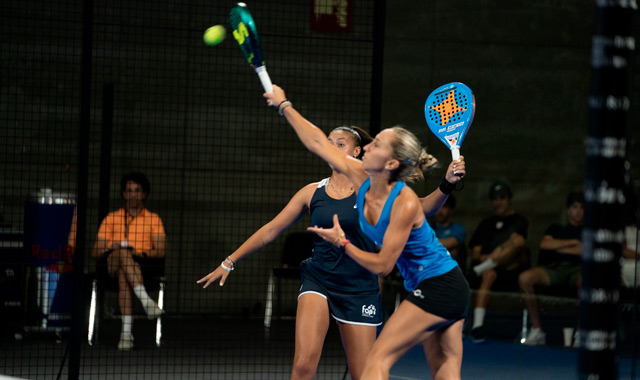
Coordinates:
x,y
407,203
409,197
306,192
311,188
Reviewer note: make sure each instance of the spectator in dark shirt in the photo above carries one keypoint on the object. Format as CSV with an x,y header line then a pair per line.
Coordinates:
x,y
560,250
498,250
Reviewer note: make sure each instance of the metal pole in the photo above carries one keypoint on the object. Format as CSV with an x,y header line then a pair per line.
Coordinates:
x,y
603,237
375,114
78,309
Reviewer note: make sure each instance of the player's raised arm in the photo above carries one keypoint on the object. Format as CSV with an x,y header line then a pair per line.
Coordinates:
x,y
315,140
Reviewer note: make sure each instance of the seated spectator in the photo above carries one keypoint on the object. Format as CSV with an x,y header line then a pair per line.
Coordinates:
x,y
560,249
130,238
451,235
498,252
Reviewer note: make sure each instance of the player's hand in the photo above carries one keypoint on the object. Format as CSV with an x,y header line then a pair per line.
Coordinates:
x,y
219,273
333,235
456,170
276,97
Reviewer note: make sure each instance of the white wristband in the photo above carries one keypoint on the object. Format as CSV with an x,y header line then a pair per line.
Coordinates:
x,y
225,267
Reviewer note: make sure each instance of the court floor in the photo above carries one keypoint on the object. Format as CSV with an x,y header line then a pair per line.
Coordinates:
x,y
492,360
214,348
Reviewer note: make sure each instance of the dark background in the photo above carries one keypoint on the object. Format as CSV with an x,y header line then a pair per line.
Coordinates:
x,y
221,163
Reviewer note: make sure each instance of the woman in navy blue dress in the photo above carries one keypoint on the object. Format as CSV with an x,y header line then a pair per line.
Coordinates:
x,y
333,285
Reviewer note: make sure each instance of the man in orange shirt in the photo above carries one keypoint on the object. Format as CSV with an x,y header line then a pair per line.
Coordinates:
x,y
128,238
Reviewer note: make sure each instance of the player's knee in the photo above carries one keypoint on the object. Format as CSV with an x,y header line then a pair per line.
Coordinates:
x,y
377,362
304,367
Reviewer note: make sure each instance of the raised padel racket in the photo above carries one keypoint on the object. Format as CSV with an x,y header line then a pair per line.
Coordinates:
x,y
244,31
449,111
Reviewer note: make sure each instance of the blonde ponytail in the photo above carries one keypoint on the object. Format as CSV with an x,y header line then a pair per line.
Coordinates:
x,y
414,160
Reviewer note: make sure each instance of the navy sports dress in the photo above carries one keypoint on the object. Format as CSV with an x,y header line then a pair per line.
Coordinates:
x,y
352,291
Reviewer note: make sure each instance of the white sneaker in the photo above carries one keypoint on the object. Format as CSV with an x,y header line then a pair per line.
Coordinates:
x,y
126,341
535,337
153,311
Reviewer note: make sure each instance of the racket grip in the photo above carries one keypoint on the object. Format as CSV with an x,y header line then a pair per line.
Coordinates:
x,y
455,153
264,79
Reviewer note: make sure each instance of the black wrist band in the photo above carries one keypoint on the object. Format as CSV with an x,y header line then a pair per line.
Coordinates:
x,y
446,186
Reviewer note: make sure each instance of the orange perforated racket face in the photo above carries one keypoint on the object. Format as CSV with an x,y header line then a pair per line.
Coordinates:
x,y
449,111
447,107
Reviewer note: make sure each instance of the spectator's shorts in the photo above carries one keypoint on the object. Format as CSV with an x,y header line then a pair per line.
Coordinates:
x,y
563,273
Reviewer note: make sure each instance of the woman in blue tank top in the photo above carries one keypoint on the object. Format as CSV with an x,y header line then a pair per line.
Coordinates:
x,y
333,284
393,216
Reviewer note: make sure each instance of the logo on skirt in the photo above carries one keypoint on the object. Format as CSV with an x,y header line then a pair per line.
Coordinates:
x,y
368,311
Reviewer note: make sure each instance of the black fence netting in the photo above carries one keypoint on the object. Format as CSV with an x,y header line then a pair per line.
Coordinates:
x,y
181,136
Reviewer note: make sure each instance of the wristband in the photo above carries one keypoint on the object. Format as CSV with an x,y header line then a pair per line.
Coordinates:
x,y
344,243
225,267
447,187
284,104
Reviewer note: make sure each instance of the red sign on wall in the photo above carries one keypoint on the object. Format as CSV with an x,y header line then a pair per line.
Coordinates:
x,y
331,15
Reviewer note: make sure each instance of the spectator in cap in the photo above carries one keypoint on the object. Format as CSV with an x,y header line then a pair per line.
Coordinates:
x,y
500,190
498,251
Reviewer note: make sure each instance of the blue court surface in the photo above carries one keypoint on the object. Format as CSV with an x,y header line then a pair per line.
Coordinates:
x,y
493,360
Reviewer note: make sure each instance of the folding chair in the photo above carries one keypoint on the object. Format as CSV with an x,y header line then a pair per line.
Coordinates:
x,y
153,272
297,247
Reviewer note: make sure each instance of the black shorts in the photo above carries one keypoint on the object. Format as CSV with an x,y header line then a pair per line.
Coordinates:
x,y
150,267
507,279
446,296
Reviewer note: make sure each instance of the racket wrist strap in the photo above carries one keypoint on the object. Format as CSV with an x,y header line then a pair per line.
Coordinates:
x,y
447,187
284,104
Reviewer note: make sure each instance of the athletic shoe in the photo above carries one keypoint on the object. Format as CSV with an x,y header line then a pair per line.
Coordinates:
x,y
535,337
478,334
126,341
153,311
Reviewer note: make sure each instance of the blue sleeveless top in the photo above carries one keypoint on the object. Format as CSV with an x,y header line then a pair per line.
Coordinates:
x,y
422,257
329,265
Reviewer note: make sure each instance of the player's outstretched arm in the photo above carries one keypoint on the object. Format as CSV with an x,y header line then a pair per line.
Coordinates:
x,y
293,211
315,140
